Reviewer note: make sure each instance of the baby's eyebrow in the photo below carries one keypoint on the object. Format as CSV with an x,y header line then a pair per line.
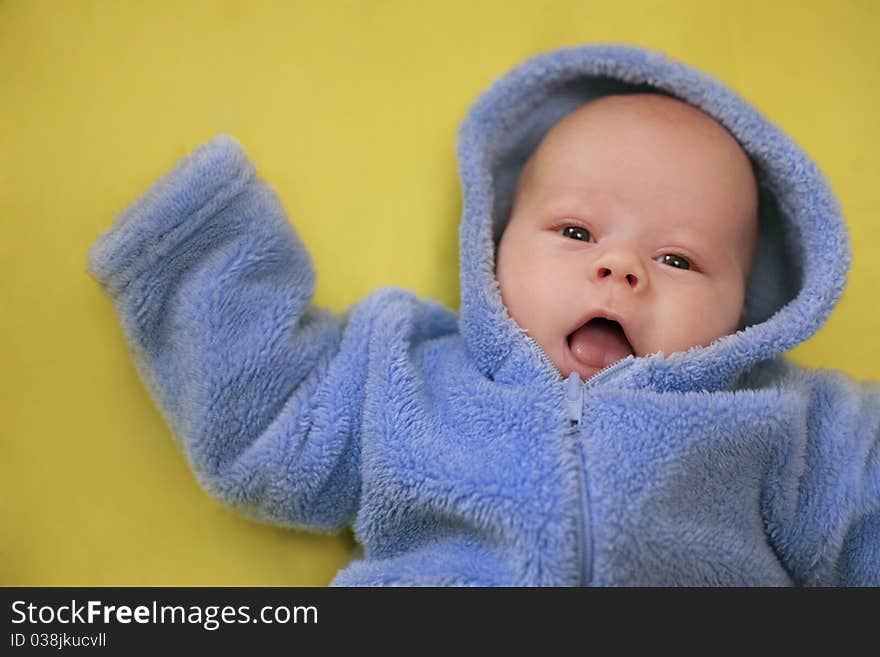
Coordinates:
x,y
688,236
567,200
688,240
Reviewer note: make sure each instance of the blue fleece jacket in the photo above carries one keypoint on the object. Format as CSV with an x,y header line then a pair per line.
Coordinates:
x,y
451,444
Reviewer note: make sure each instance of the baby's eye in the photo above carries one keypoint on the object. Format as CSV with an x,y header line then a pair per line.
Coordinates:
x,y
674,261
576,233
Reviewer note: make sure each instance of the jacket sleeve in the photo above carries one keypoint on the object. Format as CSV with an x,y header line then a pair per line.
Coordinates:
x,y
826,528
263,391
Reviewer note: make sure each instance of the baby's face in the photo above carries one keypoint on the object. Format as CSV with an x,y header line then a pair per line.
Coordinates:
x,y
641,209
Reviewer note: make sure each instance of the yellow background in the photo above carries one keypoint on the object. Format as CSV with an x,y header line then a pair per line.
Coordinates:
x,y
349,110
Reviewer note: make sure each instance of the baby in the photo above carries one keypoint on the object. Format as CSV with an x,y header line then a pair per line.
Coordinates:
x,y
612,404
639,209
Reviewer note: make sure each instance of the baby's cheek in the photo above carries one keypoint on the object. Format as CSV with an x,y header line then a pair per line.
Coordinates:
x,y
698,319
721,313
515,295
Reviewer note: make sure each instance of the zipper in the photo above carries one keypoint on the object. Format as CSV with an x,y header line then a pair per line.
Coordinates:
x,y
574,403
574,406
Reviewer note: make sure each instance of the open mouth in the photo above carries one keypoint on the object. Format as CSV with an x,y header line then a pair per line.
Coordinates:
x,y
599,342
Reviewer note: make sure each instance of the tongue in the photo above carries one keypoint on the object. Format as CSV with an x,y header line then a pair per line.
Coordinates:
x,y
599,342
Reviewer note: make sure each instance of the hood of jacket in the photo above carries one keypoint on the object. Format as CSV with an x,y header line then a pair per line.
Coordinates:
x,y
803,253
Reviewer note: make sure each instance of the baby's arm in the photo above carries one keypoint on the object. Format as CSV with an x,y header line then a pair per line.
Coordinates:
x,y
212,286
826,525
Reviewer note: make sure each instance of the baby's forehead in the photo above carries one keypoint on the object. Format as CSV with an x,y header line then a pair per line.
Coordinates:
x,y
645,135
654,110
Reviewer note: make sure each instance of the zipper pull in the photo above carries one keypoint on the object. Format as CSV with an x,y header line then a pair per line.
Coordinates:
x,y
574,397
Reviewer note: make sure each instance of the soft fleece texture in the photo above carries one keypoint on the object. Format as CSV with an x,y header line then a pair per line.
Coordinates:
x,y
445,440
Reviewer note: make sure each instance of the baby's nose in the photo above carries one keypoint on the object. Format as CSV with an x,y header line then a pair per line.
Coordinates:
x,y
621,267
